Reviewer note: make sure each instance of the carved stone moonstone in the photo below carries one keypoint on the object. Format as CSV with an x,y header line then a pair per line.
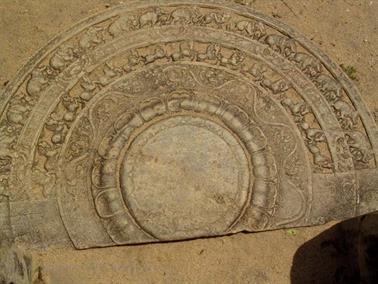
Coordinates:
x,y
185,176
156,122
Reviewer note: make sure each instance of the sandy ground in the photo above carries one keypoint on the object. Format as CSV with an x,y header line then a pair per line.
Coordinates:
x,y
345,29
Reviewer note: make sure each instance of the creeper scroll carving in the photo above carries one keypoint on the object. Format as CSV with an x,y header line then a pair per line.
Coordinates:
x,y
155,122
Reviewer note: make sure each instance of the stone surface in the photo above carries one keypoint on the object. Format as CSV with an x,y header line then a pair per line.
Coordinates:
x,y
346,32
15,266
189,167
152,122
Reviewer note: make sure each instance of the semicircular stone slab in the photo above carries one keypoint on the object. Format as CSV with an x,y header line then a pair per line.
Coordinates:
x,y
183,119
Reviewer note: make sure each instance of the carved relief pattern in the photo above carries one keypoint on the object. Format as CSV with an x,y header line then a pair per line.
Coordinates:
x,y
182,52
178,105
293,113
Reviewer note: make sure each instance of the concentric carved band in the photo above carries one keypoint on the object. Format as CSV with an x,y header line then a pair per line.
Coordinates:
x,y
51,136
261,191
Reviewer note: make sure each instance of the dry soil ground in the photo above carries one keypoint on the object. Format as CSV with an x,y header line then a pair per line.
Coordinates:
x,y
347,30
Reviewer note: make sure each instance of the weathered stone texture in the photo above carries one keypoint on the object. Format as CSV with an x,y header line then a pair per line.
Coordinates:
x,y
156,122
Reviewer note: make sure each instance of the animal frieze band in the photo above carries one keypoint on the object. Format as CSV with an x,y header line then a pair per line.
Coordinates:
x,y
171,120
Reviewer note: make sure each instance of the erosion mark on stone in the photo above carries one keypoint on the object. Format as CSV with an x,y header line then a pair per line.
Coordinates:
x,y
175,121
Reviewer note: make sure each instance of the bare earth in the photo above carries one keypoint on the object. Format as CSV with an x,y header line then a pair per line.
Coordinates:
x,y
344,29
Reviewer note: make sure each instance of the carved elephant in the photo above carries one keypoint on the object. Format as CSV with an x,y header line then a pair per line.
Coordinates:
x,y
118,26
256,30
212,53
276,87
298,109
328,85
312,134
234,60
346,113
216,18
359,146
257,71
16,113
319,159
185,51
307,63
5,164
91,38
158,54
185,16
281,44
149,18
61,58
37,82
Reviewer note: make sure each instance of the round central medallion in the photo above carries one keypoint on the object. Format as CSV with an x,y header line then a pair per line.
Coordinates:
x,y
185,176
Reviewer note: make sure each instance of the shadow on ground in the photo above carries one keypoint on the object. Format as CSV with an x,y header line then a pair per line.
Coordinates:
x,y
346,253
